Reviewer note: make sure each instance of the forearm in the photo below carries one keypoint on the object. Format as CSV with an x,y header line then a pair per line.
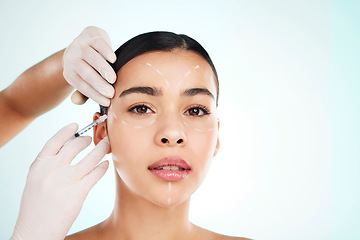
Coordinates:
x,y
34,92
38,89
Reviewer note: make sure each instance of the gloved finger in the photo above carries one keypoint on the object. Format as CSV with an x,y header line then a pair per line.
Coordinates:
x,y
54,144
92,159
94,176
78,98
73,148
95,60
104,48
93,78
90,92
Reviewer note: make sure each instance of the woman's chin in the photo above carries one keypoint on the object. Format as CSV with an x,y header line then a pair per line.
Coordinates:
x,y
169,202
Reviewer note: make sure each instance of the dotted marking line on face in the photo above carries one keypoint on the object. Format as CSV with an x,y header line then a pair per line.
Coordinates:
x,y
187,73
199,130
112,112
158,71
137,126
151,122
162,75
169,187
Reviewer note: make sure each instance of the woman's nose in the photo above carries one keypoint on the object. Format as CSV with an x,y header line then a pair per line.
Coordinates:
x,y
171,133
166,140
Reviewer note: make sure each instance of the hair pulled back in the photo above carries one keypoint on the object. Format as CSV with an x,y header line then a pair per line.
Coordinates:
x,y
158,41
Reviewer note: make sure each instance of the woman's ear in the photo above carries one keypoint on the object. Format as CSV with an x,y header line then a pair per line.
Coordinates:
x,y
217,141
99,130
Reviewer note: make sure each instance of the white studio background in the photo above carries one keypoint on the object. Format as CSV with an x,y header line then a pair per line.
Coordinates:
x,y
271,178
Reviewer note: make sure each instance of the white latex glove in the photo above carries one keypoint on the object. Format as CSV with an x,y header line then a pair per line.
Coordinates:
x,y
55,191
86,69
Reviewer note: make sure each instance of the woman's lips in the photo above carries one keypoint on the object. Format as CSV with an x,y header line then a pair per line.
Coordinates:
x,y
170,169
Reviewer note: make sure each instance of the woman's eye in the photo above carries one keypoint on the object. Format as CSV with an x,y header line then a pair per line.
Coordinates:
x,y
197,111
140,109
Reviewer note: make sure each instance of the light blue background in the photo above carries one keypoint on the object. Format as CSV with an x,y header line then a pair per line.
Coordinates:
x,y
345,119
289,163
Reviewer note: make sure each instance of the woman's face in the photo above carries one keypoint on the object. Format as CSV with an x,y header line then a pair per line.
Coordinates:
x,y
162,125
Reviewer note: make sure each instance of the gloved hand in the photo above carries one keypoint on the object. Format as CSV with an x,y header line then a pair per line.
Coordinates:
x,y
86,69
55,191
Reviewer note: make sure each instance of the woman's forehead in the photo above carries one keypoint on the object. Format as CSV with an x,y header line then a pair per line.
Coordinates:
x,y
175,68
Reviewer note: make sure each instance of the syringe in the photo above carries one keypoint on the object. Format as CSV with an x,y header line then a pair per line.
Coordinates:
x,y
91,125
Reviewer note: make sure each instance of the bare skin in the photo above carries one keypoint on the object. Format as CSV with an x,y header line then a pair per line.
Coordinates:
x,y
36,91
142,207
159,225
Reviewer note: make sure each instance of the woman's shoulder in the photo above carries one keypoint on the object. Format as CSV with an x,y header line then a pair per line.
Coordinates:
x,y
206,234
91,233
223,237
216,236
81,236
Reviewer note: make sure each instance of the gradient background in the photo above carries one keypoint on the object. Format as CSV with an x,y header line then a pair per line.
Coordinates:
x,y
289,162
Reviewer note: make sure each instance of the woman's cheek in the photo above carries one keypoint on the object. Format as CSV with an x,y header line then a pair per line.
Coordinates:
x,y
205,141
205,147
128,144
116,136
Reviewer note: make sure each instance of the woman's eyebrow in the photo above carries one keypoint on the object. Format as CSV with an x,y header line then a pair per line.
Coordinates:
x,y
145,90
152,91
195,91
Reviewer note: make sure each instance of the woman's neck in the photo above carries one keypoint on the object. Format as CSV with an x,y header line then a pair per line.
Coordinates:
x,y
136,218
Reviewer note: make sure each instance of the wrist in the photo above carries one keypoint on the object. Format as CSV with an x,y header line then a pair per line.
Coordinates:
x,y
23,232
